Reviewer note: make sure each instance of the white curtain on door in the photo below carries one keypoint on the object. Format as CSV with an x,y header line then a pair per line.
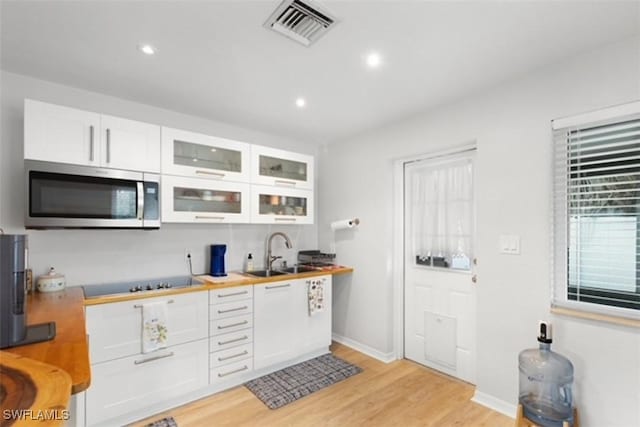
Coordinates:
x,y
441,209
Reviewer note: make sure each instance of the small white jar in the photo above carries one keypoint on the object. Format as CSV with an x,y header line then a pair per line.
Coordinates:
x,y
51,282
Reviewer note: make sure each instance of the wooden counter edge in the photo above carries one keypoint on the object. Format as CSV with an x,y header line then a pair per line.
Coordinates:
x,y
53,388
207,285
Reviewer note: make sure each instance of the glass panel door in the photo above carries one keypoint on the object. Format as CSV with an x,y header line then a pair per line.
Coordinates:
x,y
206,156
273,204
188,199
283,168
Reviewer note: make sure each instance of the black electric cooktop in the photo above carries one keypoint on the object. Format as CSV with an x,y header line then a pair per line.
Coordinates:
x,y
139,286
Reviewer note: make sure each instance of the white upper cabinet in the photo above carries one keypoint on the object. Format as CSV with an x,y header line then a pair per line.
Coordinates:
x,y
60,134
193,154
281,168
131,145
275,205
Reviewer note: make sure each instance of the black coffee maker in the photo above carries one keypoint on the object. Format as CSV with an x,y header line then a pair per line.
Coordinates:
x,y
13,296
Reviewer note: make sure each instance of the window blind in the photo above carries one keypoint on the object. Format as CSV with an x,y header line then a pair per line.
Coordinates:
x,y
596,239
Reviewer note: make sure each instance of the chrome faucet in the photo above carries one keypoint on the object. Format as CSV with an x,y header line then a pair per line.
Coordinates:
x,y
269,258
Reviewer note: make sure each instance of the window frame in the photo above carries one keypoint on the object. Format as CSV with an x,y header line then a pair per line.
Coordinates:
x,y
561,302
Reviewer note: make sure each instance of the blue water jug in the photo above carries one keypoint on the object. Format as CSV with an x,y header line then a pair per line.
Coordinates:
x,y
546,379
217,260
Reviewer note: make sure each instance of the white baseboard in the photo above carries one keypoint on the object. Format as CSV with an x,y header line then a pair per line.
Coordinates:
x,y
494,403
363,348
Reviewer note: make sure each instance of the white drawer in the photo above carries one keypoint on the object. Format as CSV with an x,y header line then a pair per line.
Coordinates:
x,y
233,339
115,329
132,383
229,372
221,296
230,324
230,309
231,355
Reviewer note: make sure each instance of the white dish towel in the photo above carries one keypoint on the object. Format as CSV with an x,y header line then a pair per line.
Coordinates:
x,y
154,326
315,291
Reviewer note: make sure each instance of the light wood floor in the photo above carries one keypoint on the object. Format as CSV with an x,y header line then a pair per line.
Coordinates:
x,y
400,393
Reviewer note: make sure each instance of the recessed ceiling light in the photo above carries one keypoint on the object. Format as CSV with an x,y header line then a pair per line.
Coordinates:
x,y
147,49
195,160
374,60
213,150
300,102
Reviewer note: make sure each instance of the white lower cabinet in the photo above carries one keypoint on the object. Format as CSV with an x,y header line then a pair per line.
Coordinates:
x,y
125,380
283,327
131,383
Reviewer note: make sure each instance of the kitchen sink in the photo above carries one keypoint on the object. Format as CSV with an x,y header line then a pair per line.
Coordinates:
x,y
266,273
299,269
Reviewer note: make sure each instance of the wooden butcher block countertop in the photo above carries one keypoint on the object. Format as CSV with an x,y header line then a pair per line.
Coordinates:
x,y
39,378
211,283
69,350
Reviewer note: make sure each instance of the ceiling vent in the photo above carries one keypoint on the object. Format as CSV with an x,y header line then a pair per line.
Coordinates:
x,y
303,22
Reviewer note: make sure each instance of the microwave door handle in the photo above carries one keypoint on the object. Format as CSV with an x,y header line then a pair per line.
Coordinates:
x,y
140,200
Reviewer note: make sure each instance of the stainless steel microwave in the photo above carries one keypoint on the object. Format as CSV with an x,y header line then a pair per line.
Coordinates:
x,y
70,196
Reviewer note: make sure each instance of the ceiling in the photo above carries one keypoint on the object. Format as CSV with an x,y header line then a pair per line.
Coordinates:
x,y
216,60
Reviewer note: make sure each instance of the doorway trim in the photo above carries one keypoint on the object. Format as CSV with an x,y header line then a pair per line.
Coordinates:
x,y
398,235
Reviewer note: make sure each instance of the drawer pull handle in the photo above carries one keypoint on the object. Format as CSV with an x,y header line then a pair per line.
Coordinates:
x,y
233,356
284,182
140,305
219,218
278,286
244,307
234,340
233,294
244,368
244,322
216,174
286,219
151,359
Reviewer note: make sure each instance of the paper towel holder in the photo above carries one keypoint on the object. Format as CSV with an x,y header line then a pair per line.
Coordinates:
x,y
344,224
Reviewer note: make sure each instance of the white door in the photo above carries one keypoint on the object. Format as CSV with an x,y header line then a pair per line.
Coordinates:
x,y
439,289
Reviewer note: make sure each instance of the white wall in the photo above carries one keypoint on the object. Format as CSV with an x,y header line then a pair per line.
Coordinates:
x,y
94,256
511,124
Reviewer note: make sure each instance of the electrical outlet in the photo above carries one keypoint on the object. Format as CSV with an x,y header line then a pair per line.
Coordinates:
x,y
188,254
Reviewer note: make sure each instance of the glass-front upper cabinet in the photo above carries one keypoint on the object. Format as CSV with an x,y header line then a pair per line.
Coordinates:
x,y
281,168
193,154
272,205
201,200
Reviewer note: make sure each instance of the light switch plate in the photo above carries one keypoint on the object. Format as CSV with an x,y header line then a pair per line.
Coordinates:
x,y
510,244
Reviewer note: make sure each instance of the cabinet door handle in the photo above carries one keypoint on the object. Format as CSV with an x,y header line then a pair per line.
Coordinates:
x,y
284,182
91,143
278,286
232,294
108,145
244,368
220,218
233,356
242,338
286,219
213,174
151,359
244,307
244,322
140,305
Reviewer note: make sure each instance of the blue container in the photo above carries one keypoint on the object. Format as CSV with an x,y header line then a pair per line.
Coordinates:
x,y
217,260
